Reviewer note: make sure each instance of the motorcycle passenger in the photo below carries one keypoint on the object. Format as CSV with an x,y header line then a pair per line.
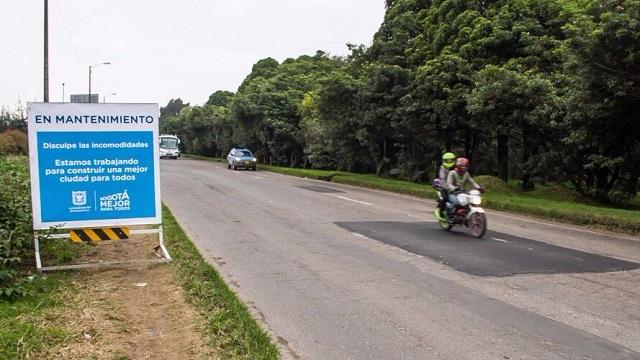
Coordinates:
x,y
448,162
457,180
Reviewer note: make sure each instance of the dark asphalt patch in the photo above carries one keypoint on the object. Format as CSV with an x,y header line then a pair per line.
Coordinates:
x,y
320,189
486,257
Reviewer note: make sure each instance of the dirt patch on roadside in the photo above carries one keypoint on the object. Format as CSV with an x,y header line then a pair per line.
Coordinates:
x,y
128,312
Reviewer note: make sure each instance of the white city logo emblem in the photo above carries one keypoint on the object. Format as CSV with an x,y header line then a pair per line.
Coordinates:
x,y
79,198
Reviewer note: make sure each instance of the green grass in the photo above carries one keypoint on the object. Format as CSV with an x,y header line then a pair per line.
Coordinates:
x,y
362,180
558,203
25,326
27,329
200,157
231,329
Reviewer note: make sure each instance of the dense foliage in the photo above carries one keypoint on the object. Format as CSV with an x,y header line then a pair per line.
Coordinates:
x,y
13,135
13,118
16,233
538,90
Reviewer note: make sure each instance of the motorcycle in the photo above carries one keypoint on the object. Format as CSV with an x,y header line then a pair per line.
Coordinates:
x,y
468,214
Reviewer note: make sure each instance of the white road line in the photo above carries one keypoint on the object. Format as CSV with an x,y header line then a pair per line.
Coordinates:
x,y
258,177
354,200
496,239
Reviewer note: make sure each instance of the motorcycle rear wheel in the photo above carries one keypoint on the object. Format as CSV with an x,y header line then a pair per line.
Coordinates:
x,y
478,224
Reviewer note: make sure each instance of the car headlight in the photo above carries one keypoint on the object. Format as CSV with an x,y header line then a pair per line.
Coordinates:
x,y
254,159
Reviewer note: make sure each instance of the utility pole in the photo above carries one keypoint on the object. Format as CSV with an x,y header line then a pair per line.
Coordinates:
x,y
46,51
92,66
89,84
62,92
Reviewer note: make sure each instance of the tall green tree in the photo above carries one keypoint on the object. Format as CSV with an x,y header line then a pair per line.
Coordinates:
x,y
603,111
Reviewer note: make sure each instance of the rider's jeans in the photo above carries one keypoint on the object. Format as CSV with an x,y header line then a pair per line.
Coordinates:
x,y
453,200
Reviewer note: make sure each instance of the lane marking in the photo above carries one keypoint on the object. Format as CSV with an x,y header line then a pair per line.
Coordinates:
x,y
258,177
501,240
354,200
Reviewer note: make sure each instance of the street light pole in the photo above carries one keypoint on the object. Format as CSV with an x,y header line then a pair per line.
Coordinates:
x,y
91,66
62,92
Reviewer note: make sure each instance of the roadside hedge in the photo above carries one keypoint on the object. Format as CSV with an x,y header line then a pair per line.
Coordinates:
x,y
16,232
13,142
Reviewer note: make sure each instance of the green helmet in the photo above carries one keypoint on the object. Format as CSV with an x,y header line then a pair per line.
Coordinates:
x,y
449,160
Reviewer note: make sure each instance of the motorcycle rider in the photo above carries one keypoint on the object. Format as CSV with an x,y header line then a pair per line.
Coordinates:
x,y
457,180
448,162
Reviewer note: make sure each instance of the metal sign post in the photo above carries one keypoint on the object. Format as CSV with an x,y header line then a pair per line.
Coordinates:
x,y
96,168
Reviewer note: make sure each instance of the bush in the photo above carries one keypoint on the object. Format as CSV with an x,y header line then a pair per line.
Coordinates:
x,y
16,232
13,142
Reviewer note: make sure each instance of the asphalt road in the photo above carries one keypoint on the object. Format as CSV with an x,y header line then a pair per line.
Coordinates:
x,y
338,272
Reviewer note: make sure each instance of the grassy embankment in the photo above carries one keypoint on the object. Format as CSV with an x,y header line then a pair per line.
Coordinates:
x,y
547,201
28,325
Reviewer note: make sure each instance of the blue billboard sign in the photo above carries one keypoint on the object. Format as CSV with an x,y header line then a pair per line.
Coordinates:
x,y
94,164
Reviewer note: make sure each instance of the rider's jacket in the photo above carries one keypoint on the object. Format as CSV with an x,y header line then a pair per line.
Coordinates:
x,y
457,182
442,174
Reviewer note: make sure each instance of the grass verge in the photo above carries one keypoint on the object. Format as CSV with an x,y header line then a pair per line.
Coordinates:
x,y
547,201
230,326
26,326
200,157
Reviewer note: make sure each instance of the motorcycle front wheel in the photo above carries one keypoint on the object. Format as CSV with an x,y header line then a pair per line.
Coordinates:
x,y
478,224
445,224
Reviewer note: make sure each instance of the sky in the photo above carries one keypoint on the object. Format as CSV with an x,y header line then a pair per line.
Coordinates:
x,y
163,49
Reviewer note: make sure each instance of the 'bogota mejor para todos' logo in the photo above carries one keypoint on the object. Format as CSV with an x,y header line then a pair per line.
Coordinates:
x,y
115,202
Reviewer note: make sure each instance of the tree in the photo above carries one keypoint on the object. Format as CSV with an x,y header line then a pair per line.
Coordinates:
x,y
267,107
173,108
220,98
170,112
515,105
379,95
13,118
603,112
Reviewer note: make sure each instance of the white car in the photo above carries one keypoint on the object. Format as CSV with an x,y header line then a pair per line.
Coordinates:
x,y
241,158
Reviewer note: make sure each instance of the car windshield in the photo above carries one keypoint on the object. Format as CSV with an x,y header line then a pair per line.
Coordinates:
x,y
169,143
244,153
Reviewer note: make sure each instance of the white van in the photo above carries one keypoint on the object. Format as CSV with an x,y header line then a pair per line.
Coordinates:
x,y
169,147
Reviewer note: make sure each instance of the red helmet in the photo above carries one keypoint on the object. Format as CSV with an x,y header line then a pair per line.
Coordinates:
x,y
462,163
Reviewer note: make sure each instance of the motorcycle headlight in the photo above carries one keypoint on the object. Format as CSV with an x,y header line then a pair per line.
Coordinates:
x,y
475,200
